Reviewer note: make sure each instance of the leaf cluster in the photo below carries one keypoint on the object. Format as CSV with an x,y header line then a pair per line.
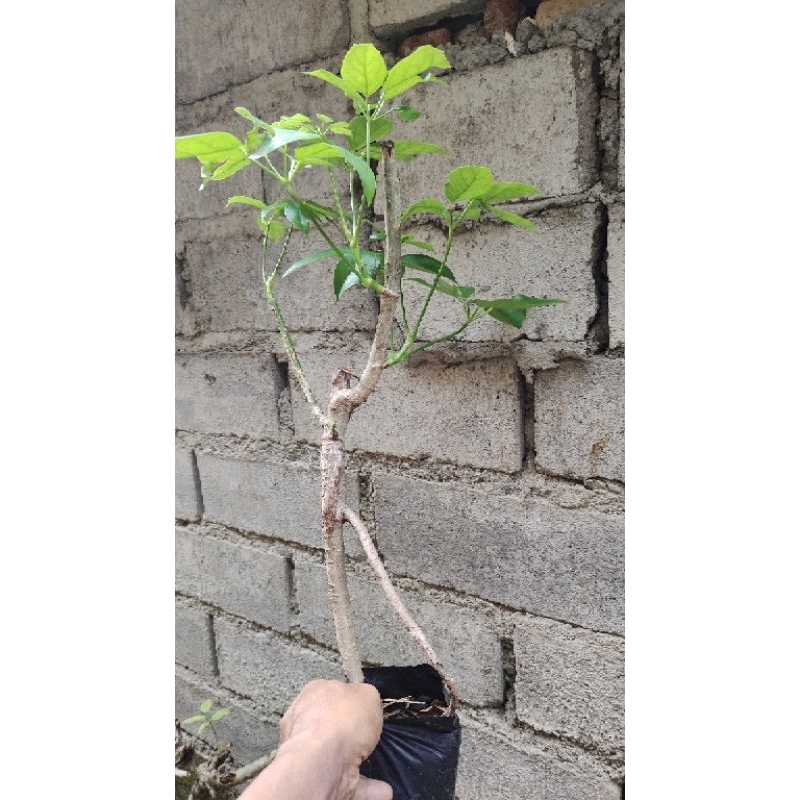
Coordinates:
x,y
284,148
206,717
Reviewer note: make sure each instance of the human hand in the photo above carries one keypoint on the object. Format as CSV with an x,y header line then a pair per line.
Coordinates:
x,y
325,735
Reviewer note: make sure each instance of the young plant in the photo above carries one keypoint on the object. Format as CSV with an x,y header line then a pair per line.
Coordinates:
x,y
207,718
364,250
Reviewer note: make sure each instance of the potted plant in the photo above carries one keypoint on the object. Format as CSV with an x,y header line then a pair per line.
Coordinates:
x,y
379,254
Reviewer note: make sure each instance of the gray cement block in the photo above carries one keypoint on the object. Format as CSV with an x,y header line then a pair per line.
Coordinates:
x,y
491,768
528,119
187,498
275,498
579,425
466,643
500,261
193,647
621,157
467,413
266,668
228,290
391,18
571,683
240,579
522,552
232,393
249,733
616,275
246,40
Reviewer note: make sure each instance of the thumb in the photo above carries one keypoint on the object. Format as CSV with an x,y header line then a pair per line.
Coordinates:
x,y
370,789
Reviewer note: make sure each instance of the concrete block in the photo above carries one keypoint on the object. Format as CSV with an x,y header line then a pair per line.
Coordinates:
x,y
240,579
524,552
490,768
266,668
390,18
276,498
544,105
499,261
466,413
187,497
193,647
248,732
466,643
228,290
616,275
218,46
571,683
232,393
579,425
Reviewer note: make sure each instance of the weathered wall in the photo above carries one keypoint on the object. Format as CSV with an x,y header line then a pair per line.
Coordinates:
x,y
491,473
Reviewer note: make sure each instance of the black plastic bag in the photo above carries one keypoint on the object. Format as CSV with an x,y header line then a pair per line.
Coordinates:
x,y
417,756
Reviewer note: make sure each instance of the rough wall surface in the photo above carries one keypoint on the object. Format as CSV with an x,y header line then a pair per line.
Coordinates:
x,y
490,471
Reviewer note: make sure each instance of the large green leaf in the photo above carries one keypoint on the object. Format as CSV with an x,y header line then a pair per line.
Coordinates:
x,y
377,130
517,302
466,183
243,112
509,191
339,83
426,264
405,73
403,151
236,162
363,170
222,712
344,278
364,68
248,201
508,216
213,147
320,255
435,207
297,215
281,138
320,154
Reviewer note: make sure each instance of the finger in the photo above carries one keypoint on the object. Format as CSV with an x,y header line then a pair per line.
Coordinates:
x,y
369,789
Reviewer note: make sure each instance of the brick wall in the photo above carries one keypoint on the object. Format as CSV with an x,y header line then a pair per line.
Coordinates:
x,y
490,472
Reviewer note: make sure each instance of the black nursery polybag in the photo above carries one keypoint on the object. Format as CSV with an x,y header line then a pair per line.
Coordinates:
x,y
417,756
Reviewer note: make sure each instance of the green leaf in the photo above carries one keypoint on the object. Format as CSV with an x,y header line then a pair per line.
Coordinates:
x,y
363,170
247,201
243,112
408,114
377,130
404,151
271,228
281,138
324,118
223,712
513,317
295,213
517,302
507,216
335,80
509,191
410,240
452,289
214,147
364,68
205,706
434,207
344,278
341,128
320,154
295,122
192,720
471,212
203,727
320,255
466,183
405,73
230,167
426,264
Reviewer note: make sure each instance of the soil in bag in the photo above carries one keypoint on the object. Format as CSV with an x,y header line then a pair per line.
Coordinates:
x,y
418,750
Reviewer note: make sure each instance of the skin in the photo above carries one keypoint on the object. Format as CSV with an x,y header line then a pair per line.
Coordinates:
x,y
325,735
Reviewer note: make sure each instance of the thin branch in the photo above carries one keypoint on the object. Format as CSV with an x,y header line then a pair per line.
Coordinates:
x,y
397,604
389,298
288,344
